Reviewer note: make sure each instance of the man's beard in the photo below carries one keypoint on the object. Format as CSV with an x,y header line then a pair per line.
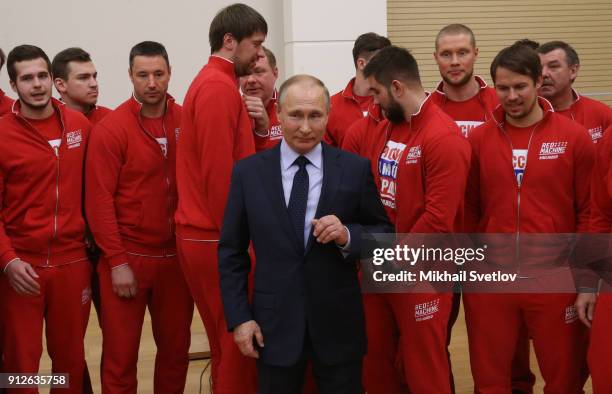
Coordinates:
x,y
460,83
242,70
35,107
394,112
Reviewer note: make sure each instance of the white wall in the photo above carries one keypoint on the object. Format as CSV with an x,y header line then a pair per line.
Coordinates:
x,y
108,29
319,36
312,36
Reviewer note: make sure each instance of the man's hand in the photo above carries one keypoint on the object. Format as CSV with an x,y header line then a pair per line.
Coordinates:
x,y
124,282
330,228
243,336
22,277
585,305
257,110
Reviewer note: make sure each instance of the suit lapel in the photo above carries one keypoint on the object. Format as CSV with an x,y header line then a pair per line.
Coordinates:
x,y
332,173
272,179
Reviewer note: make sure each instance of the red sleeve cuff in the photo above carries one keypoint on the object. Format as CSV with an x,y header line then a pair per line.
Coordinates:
x,y
117,260
6,258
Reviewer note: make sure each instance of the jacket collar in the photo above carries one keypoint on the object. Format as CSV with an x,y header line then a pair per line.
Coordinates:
x,y
57,105
375,112
224,65
273,99
135,106
499,115
420,117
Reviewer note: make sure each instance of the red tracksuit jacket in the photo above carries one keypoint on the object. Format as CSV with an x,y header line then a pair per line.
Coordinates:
x,y
215,132
97,114
554,193
274,134
6,104
130,187
432,170
355,139
471,113
41,190
601,198
344,111
594,115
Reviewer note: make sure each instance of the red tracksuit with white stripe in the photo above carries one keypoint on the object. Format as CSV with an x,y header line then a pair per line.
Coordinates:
x,y
215,132
274,134
345,109
552,197
130,200
601,222
421,169
41,172
472,112
594,115
468,115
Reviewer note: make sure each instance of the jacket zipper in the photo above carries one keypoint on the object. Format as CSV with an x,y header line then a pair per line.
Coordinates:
x,y
518,196
166,170
57,177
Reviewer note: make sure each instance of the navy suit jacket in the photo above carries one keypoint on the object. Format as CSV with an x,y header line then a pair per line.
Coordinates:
x,y
316,293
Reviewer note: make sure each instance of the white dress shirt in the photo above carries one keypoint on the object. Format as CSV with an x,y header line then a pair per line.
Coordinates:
x,y
315,182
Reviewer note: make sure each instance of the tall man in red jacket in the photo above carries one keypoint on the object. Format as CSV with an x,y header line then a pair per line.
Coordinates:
x,y
353,103
6,103
552,197
46,274
421,146
130,200
560,66
216,132
76,80
467,99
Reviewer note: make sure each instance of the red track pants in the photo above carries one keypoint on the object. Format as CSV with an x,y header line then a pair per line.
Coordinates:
x,y
601,345
161,288
232,373
63,306
416,325
493,324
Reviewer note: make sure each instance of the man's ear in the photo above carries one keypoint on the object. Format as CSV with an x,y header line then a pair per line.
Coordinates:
x,y
361,63
397,89
574,72
60,85
229,42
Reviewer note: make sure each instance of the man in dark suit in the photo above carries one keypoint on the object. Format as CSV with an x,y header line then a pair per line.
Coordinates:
x,y
306,207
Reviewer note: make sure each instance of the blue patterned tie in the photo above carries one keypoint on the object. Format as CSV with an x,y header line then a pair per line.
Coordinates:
x,y
298,199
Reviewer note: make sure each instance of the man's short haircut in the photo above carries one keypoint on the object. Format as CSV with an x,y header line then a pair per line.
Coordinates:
x,y
59,65
23,53
520,59
282,91
148,48
454,30
271,58
393,63
367,44
239,20
530,43
2,58
571,56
